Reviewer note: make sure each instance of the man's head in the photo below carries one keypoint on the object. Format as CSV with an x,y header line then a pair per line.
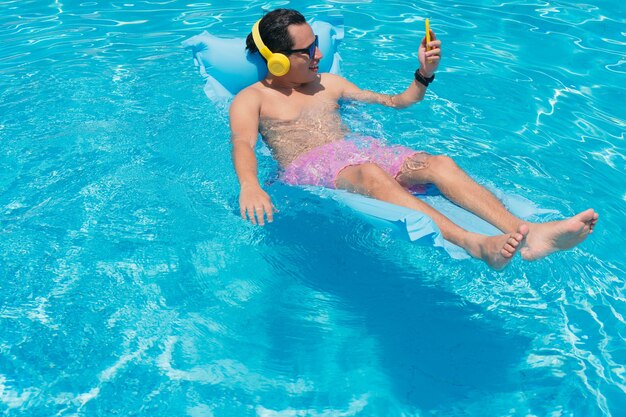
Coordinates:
x,y
285,31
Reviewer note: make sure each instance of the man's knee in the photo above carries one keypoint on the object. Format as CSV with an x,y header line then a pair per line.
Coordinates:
x,y
426,168
441,163
371,176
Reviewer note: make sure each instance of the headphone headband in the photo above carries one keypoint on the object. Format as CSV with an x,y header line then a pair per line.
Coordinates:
x,y
256,37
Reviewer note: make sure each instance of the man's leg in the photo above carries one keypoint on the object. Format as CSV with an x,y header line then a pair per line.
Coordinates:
x,y
457,186
369,179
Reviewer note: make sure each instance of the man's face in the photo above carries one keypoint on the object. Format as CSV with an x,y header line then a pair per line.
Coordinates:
x,y
303,67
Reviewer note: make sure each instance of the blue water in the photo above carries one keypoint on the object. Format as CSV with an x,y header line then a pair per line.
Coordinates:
x,y
130,286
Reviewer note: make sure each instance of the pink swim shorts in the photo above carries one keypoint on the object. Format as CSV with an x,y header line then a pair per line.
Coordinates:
x,y
320,166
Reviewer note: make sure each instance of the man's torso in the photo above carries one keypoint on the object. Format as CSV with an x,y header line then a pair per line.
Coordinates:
x,y
292,123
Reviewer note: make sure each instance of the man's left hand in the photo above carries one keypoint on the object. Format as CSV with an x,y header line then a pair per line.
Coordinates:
x,y
429,59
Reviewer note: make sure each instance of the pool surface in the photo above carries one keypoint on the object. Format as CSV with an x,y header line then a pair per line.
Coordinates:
x,y
130,286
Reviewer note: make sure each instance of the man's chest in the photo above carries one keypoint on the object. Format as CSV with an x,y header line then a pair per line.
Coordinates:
x,y
295,105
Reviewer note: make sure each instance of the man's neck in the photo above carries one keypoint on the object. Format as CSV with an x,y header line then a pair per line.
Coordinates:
x,y
282,84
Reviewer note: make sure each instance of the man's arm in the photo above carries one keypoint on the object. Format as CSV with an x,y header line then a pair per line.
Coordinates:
x,y
254,203
429,61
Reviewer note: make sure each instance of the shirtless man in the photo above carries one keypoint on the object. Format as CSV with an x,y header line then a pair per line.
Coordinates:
x,y
297,115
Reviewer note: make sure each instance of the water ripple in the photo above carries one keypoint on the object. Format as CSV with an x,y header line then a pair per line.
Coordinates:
x,y
130,284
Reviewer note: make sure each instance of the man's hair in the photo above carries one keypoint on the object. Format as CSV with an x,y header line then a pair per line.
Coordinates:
x,y
273,30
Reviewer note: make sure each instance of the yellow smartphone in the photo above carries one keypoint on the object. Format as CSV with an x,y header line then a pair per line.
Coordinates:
x,y
427,34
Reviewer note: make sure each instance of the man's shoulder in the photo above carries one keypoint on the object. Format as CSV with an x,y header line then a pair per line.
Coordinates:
x,y
250,95
333,82
327,77
253,90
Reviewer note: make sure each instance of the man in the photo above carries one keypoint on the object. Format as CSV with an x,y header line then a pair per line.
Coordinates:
x,y
295,110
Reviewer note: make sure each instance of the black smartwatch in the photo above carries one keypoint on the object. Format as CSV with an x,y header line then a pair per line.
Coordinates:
x,y
423,80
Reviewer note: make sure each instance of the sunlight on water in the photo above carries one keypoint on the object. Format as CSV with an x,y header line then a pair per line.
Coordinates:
x,y
129,284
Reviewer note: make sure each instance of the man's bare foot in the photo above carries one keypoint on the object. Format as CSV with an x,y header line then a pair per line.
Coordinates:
x,y
546,238
497,251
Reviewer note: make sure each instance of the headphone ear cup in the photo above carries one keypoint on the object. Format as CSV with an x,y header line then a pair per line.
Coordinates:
x,y
278,64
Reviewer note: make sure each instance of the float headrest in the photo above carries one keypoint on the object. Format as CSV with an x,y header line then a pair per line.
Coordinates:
x,y
228,68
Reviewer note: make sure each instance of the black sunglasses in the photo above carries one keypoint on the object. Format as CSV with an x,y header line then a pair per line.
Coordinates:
x,y
308,50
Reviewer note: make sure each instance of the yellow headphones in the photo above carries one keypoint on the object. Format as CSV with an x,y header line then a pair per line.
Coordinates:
x,y
277,64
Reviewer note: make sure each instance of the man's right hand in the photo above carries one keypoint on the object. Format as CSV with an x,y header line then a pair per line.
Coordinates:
x,y
255,204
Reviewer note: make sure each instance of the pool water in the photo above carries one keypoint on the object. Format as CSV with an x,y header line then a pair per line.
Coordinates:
x,y
130,286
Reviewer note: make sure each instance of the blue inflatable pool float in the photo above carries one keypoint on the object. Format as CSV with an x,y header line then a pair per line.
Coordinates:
x,y
227,69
